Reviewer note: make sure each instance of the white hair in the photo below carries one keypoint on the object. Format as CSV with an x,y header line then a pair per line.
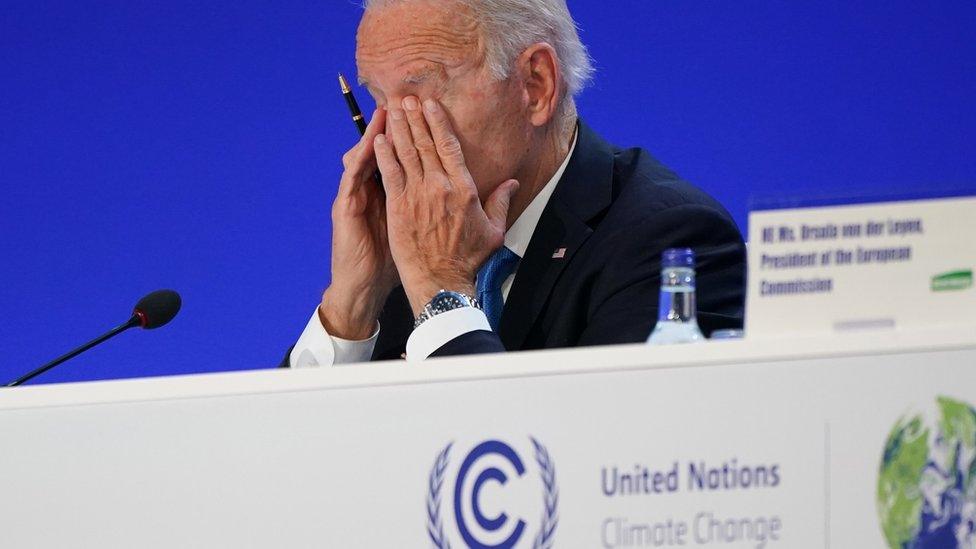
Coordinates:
x,y
511,26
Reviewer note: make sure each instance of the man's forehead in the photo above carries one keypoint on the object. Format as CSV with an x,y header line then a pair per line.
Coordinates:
x,y
412,72
446,17
415,41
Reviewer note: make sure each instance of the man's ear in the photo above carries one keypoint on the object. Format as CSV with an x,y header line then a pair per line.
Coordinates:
x,y
541,75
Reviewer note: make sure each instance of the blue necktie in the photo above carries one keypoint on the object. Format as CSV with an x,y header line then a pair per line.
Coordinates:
x,y
499,266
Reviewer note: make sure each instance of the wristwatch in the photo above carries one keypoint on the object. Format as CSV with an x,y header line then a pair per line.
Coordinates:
x,y
444,301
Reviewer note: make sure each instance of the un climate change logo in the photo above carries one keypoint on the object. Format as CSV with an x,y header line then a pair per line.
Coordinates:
x,y
494,502
927,482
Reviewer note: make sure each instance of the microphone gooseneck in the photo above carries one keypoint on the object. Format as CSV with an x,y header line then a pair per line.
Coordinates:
x,y
152,311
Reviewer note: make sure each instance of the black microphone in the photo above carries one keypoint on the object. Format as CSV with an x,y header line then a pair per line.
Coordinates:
x,y
152,311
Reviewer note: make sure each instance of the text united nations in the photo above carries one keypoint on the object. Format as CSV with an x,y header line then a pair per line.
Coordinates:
x,y
699,476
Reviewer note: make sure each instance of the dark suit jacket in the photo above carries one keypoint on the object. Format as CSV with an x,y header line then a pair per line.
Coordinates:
x,y
614,211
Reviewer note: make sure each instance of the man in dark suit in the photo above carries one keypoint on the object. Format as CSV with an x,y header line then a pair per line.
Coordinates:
x,y
503,223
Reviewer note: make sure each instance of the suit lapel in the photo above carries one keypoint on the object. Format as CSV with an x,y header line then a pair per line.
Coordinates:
x,y
583,192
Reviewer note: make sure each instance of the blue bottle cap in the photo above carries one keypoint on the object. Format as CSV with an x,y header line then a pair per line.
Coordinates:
x,y
678,257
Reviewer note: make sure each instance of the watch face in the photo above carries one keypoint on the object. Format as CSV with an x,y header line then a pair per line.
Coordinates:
x,y
447,301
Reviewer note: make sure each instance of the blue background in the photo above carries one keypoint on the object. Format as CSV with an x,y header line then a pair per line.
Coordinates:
x,y
196,146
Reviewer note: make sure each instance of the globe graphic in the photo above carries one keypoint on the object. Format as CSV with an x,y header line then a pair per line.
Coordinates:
x,y
927,482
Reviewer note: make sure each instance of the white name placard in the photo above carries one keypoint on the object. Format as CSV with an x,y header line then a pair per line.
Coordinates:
x,y
894,265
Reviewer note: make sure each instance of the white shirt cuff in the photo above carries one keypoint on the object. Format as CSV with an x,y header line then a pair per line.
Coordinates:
x,y
438,330
316,348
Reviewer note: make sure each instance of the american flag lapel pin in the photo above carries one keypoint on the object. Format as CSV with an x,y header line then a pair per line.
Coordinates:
x,y
559,253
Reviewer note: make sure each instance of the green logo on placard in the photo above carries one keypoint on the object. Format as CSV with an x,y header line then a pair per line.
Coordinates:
x,y
955,280
927,482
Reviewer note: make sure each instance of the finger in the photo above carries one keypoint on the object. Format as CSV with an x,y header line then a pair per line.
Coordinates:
x,y
364,146
422,140
386,159
406,153
359,163
445,140
497,205
376,126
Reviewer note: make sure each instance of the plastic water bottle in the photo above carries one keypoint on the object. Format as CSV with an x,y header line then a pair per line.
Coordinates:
x,y
677,317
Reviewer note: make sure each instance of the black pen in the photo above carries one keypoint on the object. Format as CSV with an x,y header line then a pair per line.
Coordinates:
x,y
357,115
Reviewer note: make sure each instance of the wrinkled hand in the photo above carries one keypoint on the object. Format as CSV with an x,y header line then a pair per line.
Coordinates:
x,y
440,233
363,272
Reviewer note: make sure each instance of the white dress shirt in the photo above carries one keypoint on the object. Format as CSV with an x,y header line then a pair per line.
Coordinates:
x,y
316,348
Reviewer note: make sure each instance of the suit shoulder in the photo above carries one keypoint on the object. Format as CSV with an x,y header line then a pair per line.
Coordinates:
x,y
643,185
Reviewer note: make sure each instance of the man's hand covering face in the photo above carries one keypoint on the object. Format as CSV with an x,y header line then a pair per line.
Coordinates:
x,y
439,232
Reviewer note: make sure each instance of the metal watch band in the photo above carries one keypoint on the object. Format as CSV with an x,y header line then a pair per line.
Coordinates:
x,y
442,302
